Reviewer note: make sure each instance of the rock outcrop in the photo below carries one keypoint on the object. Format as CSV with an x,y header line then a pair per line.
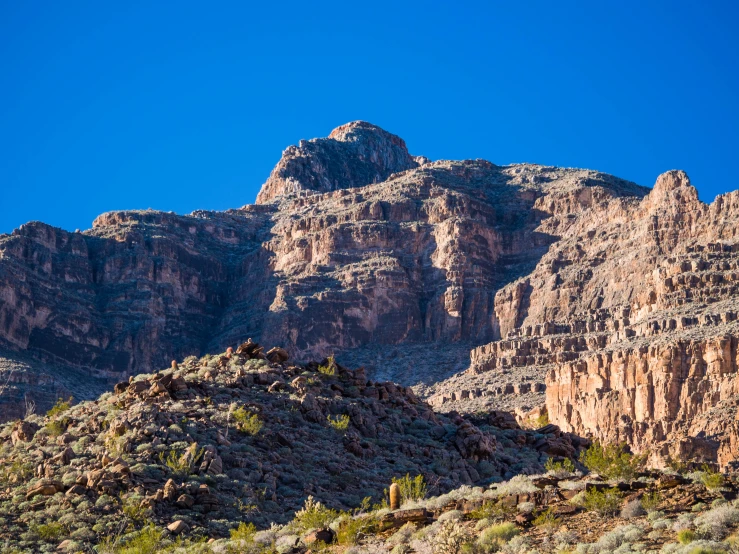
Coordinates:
x,y
354,246
202,446
632,318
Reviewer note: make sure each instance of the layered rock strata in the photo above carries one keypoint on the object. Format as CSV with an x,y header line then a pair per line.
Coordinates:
x,y
354,245
632,318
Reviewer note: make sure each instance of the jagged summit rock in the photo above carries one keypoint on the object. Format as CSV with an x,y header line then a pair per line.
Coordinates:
x,y
353,155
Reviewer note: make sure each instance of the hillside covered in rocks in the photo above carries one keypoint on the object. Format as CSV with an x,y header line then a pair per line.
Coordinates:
x,y
241,436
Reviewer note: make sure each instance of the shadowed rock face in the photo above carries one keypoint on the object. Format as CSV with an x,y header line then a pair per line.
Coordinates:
x,y
354,246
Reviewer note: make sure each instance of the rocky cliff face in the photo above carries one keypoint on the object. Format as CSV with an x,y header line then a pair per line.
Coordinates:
x,y
354,245
614,302
631,318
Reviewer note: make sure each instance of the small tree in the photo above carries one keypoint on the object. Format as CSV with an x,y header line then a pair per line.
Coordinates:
x,y
612,461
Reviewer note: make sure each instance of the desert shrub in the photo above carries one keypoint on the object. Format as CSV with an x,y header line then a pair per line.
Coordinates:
x,y
491,510
146,541
712,480
503,531
715,523
411,488
181,464
547,520
328,369
604,503
244,532
56,427
15,472
246,421
633,509
60,407
651,501
49,531
519,484
611,461
685,536
526,507
451,515
450,538
313,515
339,422
133,509
617,540
402,535
352,529
561,469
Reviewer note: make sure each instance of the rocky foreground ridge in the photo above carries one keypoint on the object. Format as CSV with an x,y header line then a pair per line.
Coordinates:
x,y
245,452
241,436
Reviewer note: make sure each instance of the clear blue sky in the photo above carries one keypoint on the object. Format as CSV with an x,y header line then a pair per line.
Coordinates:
x,y
186,105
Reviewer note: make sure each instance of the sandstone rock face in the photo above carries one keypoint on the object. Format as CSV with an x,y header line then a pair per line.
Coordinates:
x,y
632,317
354,245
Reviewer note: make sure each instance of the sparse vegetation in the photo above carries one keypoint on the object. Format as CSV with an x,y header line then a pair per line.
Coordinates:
x,y
711,479
604,503
314,515
411,488
245,532
180,463
339,422
60,407
246,421
611,461
562,469
547,520
328,369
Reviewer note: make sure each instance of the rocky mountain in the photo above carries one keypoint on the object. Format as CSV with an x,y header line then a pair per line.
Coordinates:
x,y
632,318
354,247
484,287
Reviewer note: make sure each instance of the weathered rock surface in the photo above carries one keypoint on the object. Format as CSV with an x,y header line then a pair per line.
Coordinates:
x,y
201,447
354,245
632,317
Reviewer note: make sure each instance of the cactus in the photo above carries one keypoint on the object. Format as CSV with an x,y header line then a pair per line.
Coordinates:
x,y
394,497
175,367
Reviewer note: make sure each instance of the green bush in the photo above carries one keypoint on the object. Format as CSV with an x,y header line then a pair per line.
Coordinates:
x,y
411,488
50,531
547,520
651,501
328,369
181,464
56,427
244,532
604,503
685,536
491,510
246,421
612,461
133,509
712,480
339,422
313,515
352,529
504,531
60,407
557,468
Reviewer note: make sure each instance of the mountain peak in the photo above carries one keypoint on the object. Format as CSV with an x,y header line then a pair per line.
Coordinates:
x,y
353,155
